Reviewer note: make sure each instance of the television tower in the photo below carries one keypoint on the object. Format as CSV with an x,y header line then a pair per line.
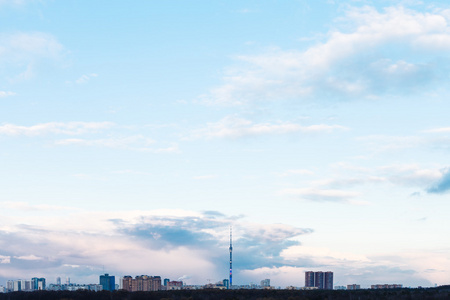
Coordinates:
x,y
231,258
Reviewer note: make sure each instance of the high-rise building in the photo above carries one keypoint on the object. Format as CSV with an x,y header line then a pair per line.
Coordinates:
x,y
58,280
226,283
17,285
127,283
309,279
174,285
27,285
166,281
38,283
108,282
143,283
10,285
328,280
319,280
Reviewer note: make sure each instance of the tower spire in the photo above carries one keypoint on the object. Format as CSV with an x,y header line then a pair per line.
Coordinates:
x,y
231,257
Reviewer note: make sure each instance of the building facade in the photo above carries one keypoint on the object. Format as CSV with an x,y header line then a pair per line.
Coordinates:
x,y
107,282
142,283
320,280
353,287
38,283
174,285
309,279
328,281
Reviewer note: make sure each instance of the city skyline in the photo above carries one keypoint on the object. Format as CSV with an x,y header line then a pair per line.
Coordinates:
x,y
134,136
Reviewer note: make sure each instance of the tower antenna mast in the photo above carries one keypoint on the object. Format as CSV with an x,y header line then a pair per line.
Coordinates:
x,y
231,257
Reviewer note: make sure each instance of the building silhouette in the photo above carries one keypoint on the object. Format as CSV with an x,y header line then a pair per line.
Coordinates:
x,y
166,281
108,282
38,283
143,283
265,283
328,284
320,280
226,283
353,287
309,279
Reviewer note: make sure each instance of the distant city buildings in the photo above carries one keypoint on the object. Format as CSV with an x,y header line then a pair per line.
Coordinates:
x,y
386,286
75,287
353,287
319,280
143,283
174,285
314,280
34,284
265,283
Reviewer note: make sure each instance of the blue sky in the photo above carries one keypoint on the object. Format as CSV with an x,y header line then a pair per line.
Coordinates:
x,y
133,135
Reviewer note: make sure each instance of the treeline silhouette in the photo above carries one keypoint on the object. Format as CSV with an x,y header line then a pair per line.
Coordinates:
x,y
209,294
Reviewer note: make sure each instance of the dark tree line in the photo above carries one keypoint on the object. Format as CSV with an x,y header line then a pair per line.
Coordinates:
x,y
407,294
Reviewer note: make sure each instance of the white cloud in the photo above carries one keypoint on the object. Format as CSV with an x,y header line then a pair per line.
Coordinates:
x,y
347,64
412,175
69,128
170,149
6,94
29,45
85,78
28,257
22,52
315,194
5,259
438,130
381,143
120,240
233,127
406,175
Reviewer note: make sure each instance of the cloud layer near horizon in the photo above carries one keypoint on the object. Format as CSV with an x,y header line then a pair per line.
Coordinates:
x,y
142,243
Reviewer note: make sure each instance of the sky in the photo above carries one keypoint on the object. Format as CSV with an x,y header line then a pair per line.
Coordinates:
x,y
134,134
